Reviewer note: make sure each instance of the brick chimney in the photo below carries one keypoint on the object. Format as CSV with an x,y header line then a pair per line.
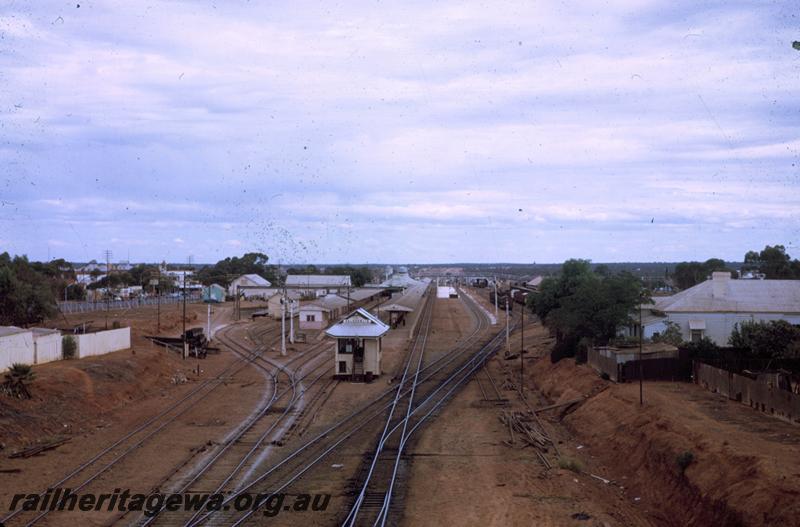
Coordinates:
x,y
719,283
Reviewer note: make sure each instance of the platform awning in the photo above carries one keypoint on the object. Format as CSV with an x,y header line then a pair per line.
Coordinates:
x,y
697,324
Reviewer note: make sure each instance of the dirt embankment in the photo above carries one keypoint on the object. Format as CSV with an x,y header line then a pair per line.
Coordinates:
x,y
73,396
745,467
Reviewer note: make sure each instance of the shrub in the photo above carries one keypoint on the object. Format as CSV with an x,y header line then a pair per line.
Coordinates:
x,y
582,352
68,347
569,463
562,349
772,339
703,349
626,342
671,335
16,380
683,460
115,325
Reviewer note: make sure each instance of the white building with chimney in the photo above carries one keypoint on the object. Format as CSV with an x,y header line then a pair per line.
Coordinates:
x,y
712,308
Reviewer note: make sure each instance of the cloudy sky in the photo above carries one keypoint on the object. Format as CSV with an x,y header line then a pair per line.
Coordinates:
x,y
399,132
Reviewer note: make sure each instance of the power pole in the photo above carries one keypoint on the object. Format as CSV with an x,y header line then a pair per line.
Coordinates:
x,y
641,388
522,353
508,342
291,322
283,323
108,283
495,298
185,344
158,301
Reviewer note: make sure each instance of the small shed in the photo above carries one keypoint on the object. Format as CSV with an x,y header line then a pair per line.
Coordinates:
x,y
321,312
358,345
214,293
256,286
397,314
275,304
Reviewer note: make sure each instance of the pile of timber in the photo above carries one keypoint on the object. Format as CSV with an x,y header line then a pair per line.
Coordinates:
x,y
38,449
523,425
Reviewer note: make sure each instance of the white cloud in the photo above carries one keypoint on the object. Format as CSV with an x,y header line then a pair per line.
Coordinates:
x,y
299,130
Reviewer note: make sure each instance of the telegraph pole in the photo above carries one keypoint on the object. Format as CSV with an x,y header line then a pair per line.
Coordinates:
x,y
158,301
108,283
508,342
641,388
283,323
185,344
291,322
495,298
522,353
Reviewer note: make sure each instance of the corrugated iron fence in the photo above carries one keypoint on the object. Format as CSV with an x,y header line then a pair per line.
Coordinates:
x,y
757,394
100,305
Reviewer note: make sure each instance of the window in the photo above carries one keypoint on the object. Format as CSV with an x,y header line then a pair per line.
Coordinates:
x,y
697,335
342,366
311,318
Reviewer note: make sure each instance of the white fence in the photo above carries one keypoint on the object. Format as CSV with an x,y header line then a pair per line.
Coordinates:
x,y
102,342
16,348
46,346
101,305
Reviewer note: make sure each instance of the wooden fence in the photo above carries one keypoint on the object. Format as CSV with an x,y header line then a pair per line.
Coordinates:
x,y
758,394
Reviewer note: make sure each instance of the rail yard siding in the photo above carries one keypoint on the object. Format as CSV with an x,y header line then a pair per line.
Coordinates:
x,y
758,395
103,342
16,348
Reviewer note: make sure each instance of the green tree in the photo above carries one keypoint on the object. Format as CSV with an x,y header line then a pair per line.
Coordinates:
x,y
225,271
27,296
774,262
766,339
581,305
689,274
671,335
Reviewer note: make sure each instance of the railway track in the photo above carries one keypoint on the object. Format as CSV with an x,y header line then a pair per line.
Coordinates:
x,y
439,379
381,452
245,448
80,477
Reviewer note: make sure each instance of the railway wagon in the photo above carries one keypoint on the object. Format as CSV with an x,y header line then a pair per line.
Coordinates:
x,y
503,298
520,296
480,282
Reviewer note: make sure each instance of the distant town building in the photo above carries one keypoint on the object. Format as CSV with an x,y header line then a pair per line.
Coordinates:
x,y
315,285
276,301
214,293
319,313
400,279
253,286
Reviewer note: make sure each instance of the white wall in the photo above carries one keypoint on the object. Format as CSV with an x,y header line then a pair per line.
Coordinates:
x,y
47,347
16,348
649,329
720,325
103,342
346,357
320,318
445,291
372,357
